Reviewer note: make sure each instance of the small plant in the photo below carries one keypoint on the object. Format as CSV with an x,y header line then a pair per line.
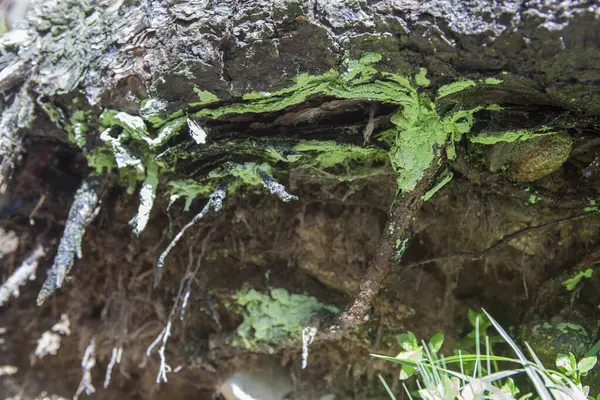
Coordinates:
x,y
445,378
573,281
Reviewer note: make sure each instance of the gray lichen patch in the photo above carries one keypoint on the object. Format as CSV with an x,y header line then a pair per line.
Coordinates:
x,y
14,118
83,210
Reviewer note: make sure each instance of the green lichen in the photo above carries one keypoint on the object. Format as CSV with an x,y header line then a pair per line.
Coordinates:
x,y
573,281
533,198
154,111
419,132
189,189
101,159
489,138
237,175
327,154
272,318
455,87
78,127
422,132
493,81
593,207
54,113
400,248
421,78
205,97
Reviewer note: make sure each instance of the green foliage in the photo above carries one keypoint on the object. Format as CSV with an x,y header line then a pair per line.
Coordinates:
x,y
510,136
573,281
482,329
326,154
272,318
455,87
568,365
445,378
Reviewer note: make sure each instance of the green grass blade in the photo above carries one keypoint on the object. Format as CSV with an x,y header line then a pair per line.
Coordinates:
x,y
387,388
535,379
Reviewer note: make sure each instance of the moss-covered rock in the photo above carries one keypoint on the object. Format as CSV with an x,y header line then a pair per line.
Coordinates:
x,y
547,340
529,160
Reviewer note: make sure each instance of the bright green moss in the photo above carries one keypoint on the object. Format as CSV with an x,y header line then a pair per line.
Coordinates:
x,y
205,97
573,281
420,133
327,154
509,136
189,189
100,159
274,317
455,87
421,78
236,175
493,81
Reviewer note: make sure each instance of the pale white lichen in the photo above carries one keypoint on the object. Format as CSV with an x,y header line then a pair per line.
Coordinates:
x,y
87,363
308,337
196,132
25,271
83,210
124,157
8,370
50,341
8,242
147,196
215,202
275,187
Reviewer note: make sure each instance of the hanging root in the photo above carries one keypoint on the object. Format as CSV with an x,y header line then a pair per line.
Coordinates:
x,y
26,271
164,368
276,188
308,336
115,358
83,210
215,202
87,363
147,196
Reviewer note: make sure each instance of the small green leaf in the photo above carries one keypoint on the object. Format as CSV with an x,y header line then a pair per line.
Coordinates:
x,y
573,362
472,315
408,341
435,343
586,364
387,388
563,362
421,78
572,282
406,372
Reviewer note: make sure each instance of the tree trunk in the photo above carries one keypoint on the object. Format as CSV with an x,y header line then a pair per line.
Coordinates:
x,y
199,183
